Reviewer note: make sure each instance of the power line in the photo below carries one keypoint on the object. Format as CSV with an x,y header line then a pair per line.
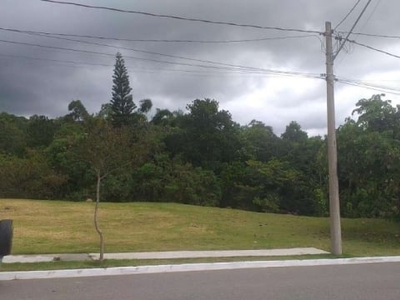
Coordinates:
x,y
106,54
120,47
376,35
54,60
348,14
181,18
374,80
351,30
369,86
223,66
365,83
374,49
370,16
157,40
112,55
83,64
80,64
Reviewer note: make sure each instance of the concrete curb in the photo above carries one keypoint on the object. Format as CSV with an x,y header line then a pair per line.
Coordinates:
x,y
28,258
192,267
162,255
11,259
218,253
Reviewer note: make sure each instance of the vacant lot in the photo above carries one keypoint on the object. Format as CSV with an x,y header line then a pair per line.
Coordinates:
x,y
57,227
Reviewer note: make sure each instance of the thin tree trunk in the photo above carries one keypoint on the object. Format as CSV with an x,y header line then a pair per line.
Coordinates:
x,y
96,225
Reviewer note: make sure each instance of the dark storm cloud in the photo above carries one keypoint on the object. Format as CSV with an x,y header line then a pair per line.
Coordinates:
x,y
39,87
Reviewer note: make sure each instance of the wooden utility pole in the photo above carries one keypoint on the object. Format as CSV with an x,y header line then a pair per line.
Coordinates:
x,y
334,204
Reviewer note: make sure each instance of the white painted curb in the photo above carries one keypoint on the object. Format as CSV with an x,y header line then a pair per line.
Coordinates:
x,y
200,254
162,255
28,258
192,267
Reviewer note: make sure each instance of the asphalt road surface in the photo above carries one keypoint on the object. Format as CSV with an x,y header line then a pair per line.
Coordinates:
x,y
363,282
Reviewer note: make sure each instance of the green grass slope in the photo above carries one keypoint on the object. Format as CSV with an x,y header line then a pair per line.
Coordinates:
x,y
67,227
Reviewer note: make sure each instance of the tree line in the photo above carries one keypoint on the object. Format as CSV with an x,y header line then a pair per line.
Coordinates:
x,y
201,157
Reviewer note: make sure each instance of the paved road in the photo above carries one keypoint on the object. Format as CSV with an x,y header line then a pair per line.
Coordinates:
x,y
355,282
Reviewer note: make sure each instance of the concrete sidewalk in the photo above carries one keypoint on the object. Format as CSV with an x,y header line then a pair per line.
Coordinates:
x,y
163,255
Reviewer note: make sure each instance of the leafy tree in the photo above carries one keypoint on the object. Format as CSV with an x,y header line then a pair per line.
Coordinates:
x,y
122,105
301,153
369,160
238,191
280,188
145,106
29,177
375,114
105,111
162,117
194,186
64,159
108,150
78,111
40,131
293,133
13,134
172,121
208,136
261,142
173,180
102,148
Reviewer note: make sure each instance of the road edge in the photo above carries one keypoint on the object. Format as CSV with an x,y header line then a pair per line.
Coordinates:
x,y
190,267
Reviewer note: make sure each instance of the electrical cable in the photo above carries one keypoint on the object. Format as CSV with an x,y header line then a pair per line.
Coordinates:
x,y
353,82
369,86
374,49
377,35
80,64
348,14
371,14
107,54
157,40
351,30
180,18
126,48
223,66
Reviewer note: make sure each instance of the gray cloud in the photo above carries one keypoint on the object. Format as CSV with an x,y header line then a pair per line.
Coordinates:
x,y
46,87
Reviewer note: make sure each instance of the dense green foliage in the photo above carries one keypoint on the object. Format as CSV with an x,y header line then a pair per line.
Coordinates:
x,y
201,157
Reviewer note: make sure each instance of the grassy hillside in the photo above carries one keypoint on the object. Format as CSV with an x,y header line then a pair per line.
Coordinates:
x,y
57,227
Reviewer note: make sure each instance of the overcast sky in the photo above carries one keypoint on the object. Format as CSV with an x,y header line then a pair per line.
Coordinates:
x,y
48,83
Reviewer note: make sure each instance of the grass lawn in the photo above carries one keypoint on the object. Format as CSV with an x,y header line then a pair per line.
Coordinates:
x,y
42,227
